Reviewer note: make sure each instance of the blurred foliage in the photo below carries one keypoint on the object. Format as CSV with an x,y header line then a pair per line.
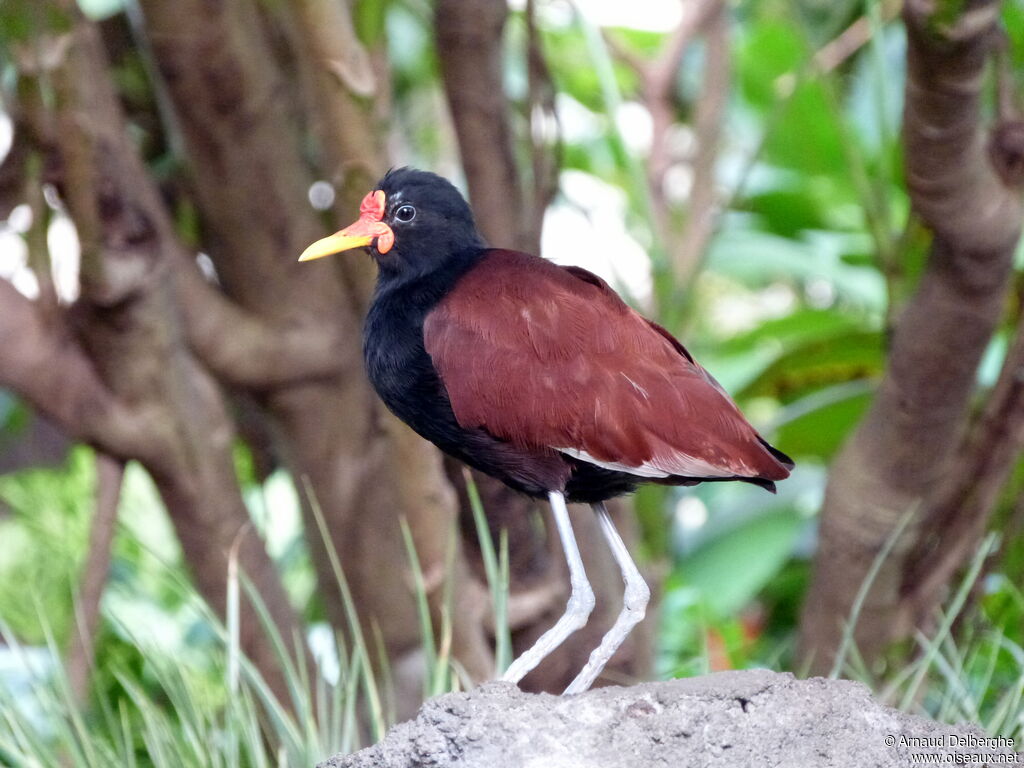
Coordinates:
x,y
50,512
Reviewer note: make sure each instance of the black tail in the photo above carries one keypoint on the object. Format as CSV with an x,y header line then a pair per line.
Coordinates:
x,y
778,455
763,482
768,485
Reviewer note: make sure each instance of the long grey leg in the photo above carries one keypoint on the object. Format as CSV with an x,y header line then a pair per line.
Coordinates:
x,y
581,598
634,605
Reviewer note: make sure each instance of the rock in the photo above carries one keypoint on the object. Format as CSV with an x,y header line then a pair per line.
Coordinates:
x,y
750,718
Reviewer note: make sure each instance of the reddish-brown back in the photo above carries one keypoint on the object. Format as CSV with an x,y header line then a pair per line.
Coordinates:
x,y
546,356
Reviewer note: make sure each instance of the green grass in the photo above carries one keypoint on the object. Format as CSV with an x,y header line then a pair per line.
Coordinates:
x,y
496,569
154,705
153,708
165,714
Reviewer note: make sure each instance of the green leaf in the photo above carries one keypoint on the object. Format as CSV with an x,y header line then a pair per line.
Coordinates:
x,y
8,404
730,570
771,50
1013,26
791,330
807,135
819,423
744,358
24,20
565,50
840,358
786,212
758,258
370,19
874,103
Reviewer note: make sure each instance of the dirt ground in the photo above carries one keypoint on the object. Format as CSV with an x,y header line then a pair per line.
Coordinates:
x,y
749,718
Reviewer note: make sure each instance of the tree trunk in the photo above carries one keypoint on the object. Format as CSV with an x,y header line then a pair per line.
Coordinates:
x,y
81,653
910,439
251,182
131,386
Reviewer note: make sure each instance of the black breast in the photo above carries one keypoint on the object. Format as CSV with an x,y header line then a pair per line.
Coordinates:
x,y
404,377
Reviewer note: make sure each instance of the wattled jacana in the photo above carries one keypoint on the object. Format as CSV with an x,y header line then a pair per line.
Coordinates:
x,y
538,375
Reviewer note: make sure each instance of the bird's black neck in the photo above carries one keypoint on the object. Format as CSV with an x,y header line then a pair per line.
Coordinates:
x,y
396,358
393,334
417,294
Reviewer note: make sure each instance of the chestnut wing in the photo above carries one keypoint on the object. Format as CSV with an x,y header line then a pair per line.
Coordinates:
x,y
550,357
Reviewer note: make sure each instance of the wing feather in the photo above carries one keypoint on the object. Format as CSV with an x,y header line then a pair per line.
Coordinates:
x,y
546,356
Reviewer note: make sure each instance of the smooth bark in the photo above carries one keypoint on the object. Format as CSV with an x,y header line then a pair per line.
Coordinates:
x,y
244,147
909,443
117,371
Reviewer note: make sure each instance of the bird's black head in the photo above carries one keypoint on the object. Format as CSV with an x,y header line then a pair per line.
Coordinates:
x,y
413,223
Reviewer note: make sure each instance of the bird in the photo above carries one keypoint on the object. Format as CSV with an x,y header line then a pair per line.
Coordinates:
x,y
541,376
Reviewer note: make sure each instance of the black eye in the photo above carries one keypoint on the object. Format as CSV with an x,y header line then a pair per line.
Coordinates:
x,y
405,213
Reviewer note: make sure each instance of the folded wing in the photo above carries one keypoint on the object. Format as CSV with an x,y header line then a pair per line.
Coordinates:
x,y
548,356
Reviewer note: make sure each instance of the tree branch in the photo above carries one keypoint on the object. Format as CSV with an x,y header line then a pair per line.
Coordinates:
x,y
953,185
240,347
250,175
245,351
545,144
660,76
13,172
469,46
345,84
841,48
81,651
708,123
659,95
907,443
958,513
131,330
346,91
42,362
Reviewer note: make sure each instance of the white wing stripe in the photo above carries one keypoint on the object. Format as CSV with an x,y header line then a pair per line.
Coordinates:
x,y
678,464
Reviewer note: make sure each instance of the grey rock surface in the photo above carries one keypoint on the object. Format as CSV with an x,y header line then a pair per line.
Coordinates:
x,y
750,718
